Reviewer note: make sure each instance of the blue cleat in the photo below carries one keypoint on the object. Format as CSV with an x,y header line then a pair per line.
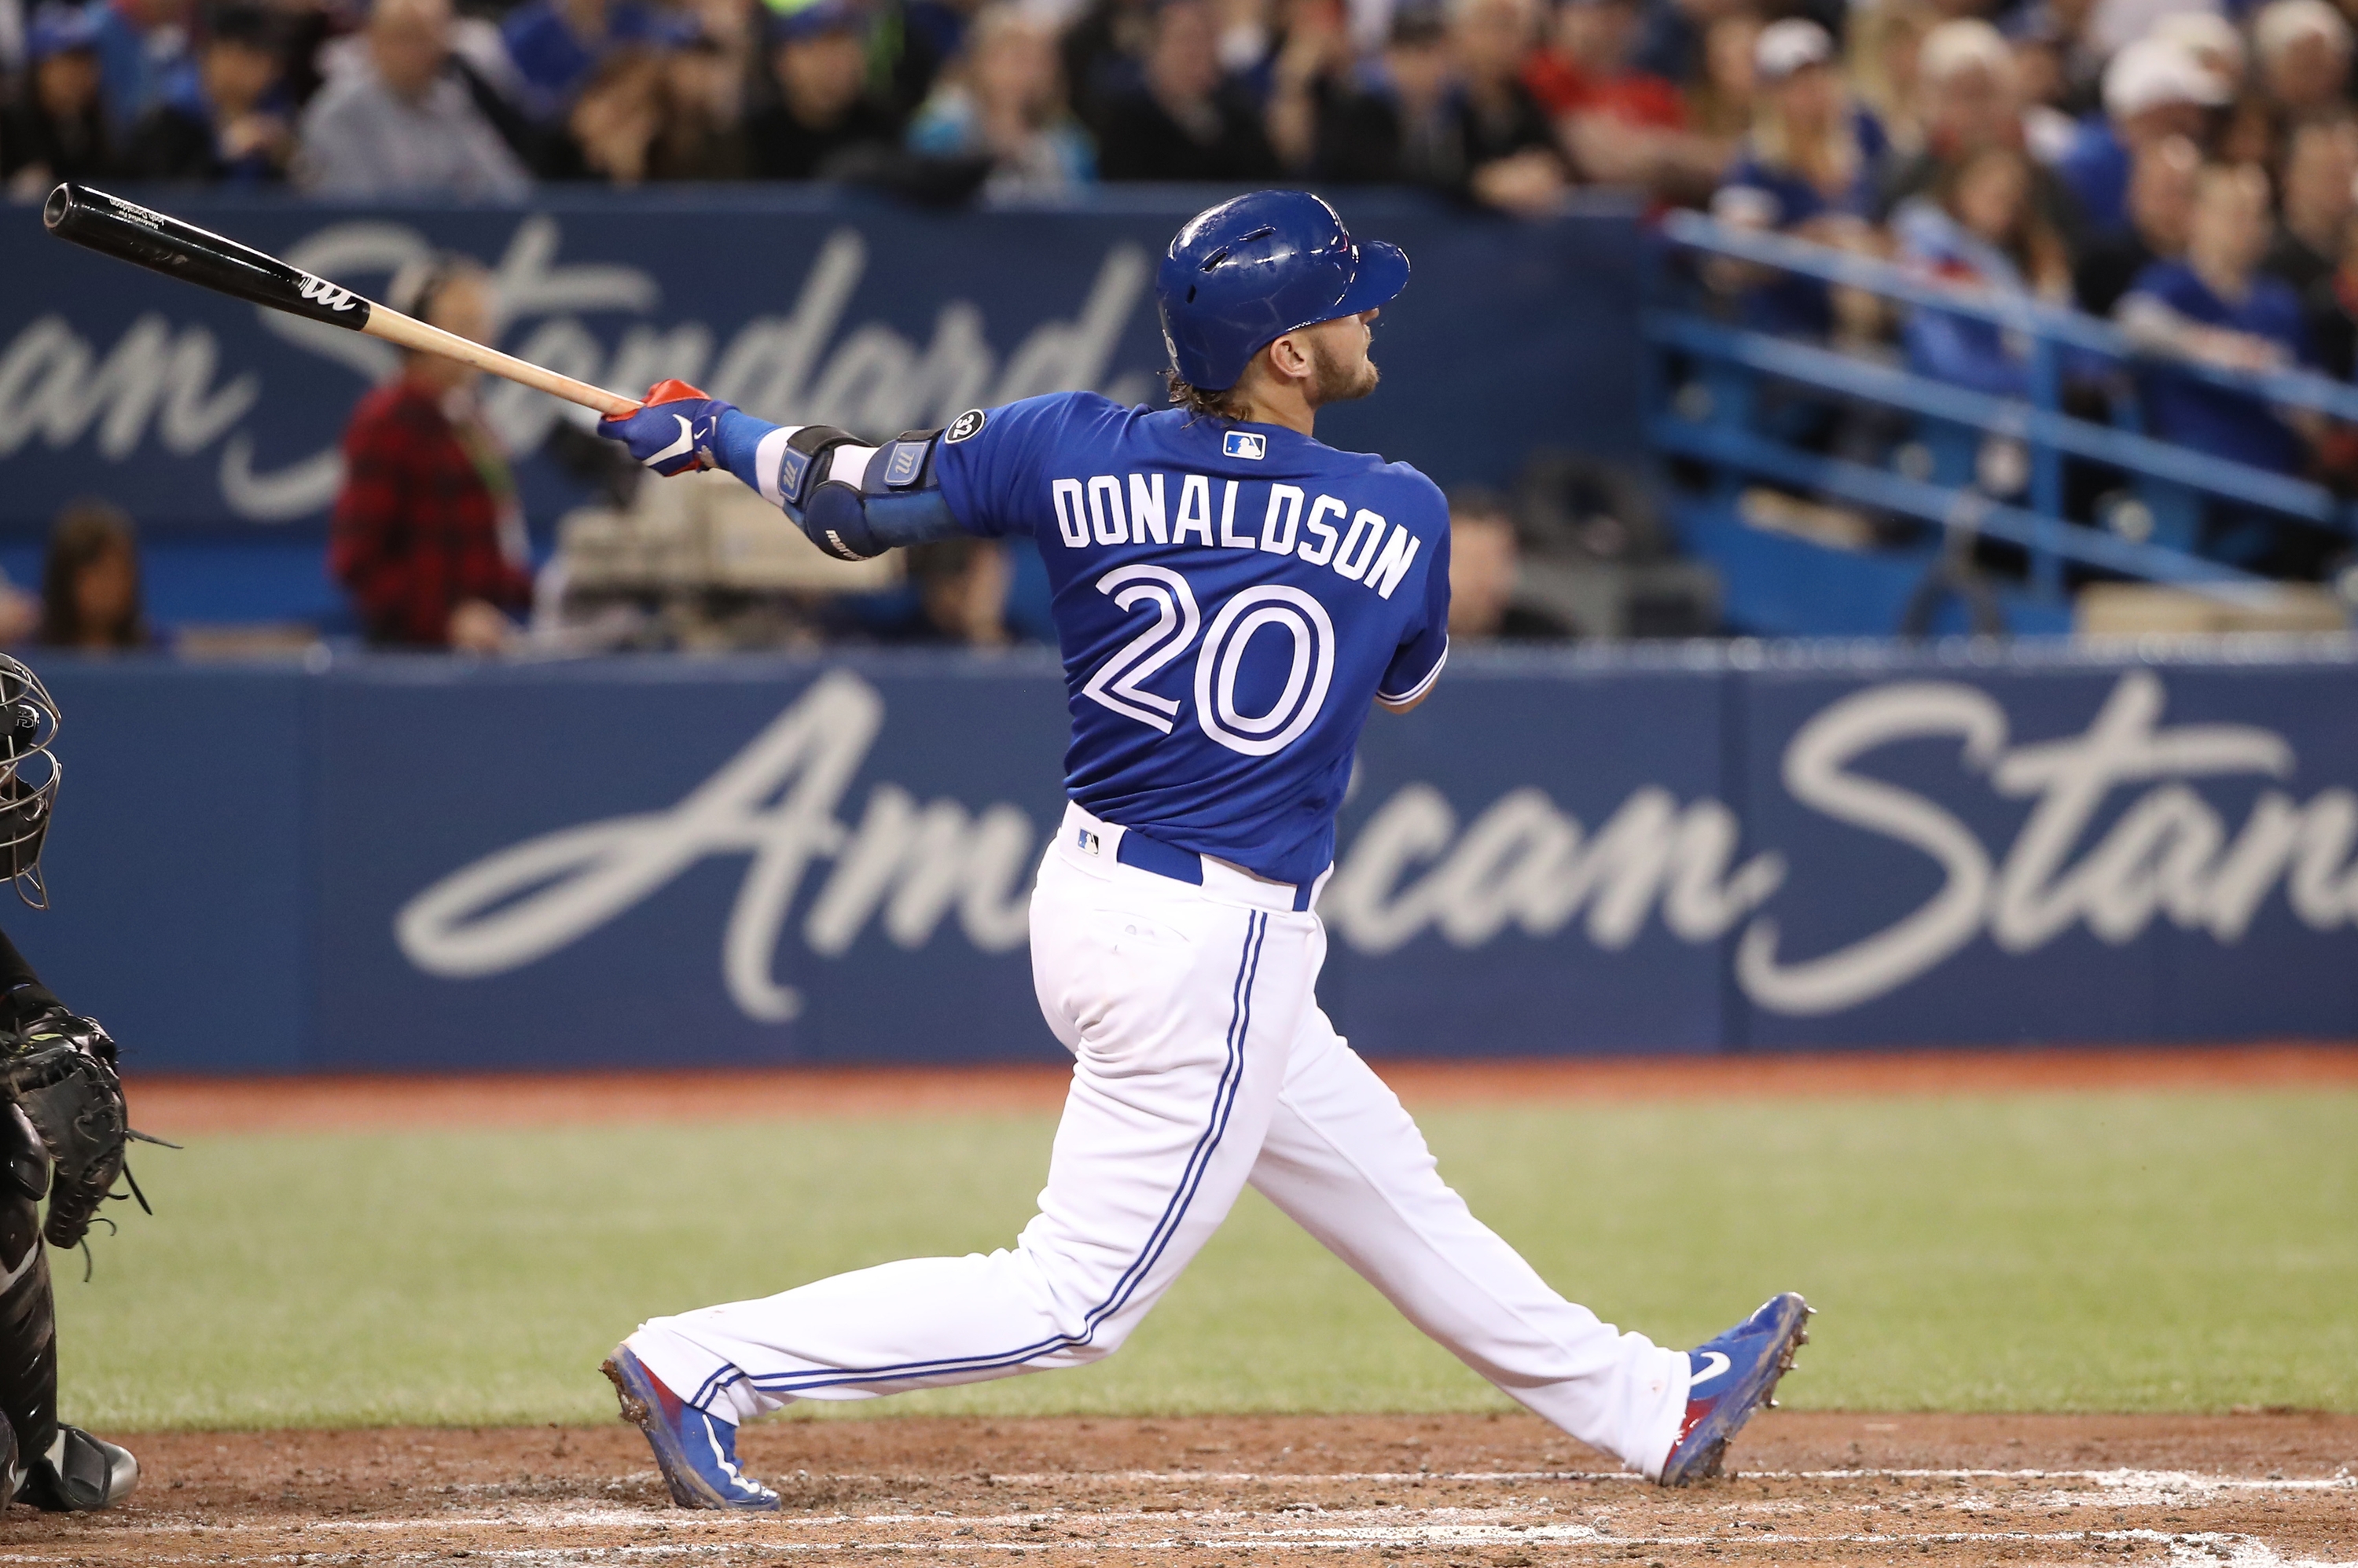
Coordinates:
x,y
1731,1377
697,1452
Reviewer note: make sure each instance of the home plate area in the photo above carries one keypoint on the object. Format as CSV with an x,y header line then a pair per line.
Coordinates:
x,y
2253,1490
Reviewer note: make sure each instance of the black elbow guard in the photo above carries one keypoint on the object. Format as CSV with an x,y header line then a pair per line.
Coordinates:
x,y
802,466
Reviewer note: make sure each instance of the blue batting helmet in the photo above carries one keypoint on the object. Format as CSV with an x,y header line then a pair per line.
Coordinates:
x,y
1242,275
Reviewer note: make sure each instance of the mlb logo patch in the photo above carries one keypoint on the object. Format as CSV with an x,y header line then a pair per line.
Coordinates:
x,y
1088,842
1244,444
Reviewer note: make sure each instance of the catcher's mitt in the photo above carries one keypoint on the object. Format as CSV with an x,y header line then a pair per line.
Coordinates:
x,y
60,1072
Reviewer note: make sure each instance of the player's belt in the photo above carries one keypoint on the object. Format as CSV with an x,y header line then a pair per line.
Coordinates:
x,y
1163,860
1144,852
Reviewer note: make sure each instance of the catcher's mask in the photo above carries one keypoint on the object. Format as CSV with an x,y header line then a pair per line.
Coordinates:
x,y
28,777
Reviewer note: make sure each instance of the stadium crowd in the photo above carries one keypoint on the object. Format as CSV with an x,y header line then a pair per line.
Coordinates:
x,y
2183,167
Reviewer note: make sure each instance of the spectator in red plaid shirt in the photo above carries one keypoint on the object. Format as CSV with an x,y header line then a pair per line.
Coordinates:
x,y
426,534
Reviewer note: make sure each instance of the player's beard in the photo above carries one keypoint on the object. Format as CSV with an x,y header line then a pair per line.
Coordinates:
x,y
1334,381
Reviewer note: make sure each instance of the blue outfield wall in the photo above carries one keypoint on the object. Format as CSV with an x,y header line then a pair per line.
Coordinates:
x,y
391,864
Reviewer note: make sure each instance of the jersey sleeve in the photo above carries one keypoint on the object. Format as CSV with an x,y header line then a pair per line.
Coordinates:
x,y
1424,648
989,461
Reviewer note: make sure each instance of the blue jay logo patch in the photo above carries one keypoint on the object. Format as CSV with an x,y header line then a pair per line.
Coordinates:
x,y
965,425
1244,444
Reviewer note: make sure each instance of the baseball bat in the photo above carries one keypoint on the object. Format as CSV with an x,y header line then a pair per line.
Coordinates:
x,y
128,231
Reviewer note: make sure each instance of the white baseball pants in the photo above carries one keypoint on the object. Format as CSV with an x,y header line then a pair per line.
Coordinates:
x,y
1203,1062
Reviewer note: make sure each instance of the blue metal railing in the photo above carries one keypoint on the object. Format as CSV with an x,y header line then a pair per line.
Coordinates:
x,y
1723,363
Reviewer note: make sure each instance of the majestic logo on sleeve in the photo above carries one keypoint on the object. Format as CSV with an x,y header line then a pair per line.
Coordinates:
x,y
965,425
1244,444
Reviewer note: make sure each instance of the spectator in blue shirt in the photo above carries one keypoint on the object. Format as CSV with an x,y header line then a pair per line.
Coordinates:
x,y
1811,167
1980,230
58,129
2216,307
144,56
236,130
1004,103
2154,89
555,44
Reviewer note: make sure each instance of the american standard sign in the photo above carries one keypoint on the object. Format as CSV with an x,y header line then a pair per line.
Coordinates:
x,y
1898,829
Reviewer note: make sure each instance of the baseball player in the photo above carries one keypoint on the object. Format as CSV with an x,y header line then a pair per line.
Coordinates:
x,y
62,1137
1231,597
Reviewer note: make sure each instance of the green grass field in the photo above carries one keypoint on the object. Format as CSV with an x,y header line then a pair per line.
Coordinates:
x,y
2113,1252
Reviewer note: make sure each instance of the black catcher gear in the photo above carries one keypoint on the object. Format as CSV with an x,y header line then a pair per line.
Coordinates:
x,y
78,1474
28,777
59,1069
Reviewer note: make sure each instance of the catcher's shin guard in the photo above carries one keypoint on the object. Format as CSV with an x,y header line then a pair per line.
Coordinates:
x,y
29,1358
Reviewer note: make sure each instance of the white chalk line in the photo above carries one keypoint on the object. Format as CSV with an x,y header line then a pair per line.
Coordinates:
x,y
2157,1480
2233,1550
1349,1529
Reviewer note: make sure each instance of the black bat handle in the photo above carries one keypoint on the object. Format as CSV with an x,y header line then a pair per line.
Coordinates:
x,y
160,243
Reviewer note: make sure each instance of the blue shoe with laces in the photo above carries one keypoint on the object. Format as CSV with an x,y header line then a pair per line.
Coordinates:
x,y
1729,1379
697,1453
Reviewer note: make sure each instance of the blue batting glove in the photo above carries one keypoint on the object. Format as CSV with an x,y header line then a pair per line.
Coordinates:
x,y
677,430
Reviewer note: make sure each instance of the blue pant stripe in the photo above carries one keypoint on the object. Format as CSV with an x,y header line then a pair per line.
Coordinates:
x,y
1158,1240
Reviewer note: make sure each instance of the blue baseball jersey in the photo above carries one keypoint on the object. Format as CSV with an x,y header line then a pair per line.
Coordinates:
x,y
1230,600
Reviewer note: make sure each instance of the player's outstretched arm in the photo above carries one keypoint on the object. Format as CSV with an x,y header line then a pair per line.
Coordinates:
x,y
853,501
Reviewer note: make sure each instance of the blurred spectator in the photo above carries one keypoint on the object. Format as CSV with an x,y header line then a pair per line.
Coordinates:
x,y
1981,227
1675,39
1885,49
2248,131
1719,105
1814,157
2153,90
1484,570
644,115
702,136
2214,43
1968,102
915,41
819,56
1810,167
397,120
614,122
1187,118
1006,104
59,130
556,45
2039,82
426,535
2320,167
1102,49
1388,122
2108,26
145,60
961,589
90,583
1505,140
2217,307
1585,68
2331,310
2161,210
1617,124
235,130
2304,57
